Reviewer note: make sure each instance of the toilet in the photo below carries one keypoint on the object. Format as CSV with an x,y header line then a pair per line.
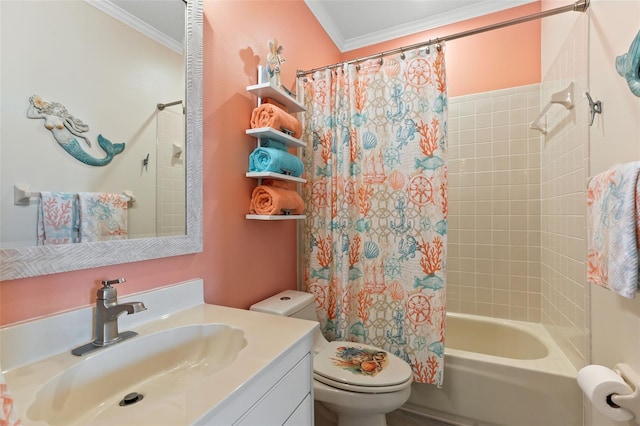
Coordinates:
x,y
358,383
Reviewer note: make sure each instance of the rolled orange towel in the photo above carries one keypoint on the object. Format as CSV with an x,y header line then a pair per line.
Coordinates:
x,y
269,115
271,200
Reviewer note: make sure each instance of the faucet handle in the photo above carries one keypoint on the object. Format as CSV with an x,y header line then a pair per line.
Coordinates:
x,y
107,292
109,283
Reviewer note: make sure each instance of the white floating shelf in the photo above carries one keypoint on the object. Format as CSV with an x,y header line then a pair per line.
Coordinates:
x,y
276,217
271,133
273,175
266,90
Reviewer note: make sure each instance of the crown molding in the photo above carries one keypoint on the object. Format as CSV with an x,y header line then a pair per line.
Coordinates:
x,y
423,24
137,24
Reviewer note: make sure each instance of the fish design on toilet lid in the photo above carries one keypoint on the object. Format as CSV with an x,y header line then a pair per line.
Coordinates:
x,y
360,365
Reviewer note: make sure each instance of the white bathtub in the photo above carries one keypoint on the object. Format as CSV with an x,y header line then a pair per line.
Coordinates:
x,y
501,372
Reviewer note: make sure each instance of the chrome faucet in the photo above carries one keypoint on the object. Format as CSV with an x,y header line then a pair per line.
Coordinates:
x,y
107,312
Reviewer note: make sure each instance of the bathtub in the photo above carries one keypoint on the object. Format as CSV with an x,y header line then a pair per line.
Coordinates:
x,y
501,372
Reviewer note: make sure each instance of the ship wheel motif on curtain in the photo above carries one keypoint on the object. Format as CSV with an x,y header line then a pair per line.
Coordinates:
x,y
418,72
419,309
318,293
319,194
421,190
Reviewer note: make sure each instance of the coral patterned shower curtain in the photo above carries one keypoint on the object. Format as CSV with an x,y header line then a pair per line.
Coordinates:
x,y
376,195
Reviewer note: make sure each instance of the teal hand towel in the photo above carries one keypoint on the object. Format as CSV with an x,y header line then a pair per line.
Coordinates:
x,y
275,160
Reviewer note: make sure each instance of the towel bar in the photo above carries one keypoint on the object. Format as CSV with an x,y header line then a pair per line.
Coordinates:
x,y
22,194
563,97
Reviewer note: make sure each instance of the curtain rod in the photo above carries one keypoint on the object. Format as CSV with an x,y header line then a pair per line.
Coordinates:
x,y
579,6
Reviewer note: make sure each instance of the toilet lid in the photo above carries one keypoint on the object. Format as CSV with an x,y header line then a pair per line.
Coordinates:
x,y
359,365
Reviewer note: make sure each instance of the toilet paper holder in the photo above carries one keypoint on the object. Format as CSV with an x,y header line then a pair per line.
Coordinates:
x,y
630,401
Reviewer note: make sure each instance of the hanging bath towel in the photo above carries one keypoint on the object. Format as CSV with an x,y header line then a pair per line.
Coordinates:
x,y
102,216
57,218
612,229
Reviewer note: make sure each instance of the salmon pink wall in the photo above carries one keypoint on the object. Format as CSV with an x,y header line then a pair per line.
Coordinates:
x,y
244,261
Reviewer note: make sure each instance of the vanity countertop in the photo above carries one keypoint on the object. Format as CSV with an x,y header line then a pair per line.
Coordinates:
x,y
268,339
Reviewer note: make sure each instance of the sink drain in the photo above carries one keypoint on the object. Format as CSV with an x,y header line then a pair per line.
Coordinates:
x,y
131,398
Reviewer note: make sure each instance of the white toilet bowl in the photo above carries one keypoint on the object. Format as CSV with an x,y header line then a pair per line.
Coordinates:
x,y
359,383
360,409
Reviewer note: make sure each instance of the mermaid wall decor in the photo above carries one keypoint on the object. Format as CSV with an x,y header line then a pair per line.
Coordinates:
x,y
66,130
628,66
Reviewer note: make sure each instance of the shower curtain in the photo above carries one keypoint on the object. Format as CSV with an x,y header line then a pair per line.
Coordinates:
x,y
375,235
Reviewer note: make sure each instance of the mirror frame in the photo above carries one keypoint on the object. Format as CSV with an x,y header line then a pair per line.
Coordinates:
x,y
42,260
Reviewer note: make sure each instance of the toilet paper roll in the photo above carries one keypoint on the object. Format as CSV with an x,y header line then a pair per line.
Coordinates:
x,y
598,383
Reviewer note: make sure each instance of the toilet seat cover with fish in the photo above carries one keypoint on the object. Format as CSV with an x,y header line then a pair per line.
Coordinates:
x,y
360,368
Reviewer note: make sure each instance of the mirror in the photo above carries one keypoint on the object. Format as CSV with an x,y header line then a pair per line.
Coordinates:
x,y
27,261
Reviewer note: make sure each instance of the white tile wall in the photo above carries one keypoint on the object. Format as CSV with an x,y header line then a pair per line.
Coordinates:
x,y
494,198
170,174
564,173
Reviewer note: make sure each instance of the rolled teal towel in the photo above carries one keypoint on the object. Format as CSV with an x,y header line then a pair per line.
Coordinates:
x,y
275,160
272,143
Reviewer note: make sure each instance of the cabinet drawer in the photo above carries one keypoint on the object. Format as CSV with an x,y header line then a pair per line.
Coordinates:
x,y
283,398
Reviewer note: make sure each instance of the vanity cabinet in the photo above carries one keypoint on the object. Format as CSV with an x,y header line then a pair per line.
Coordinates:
x,y
281,394
267,90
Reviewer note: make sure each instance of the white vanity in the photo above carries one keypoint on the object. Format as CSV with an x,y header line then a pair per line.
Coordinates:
x,y
193,363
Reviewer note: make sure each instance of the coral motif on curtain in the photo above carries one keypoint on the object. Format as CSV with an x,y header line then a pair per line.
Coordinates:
x,y
376,198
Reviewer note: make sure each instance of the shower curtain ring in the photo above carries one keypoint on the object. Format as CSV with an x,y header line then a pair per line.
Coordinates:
x,y
402,55
381,61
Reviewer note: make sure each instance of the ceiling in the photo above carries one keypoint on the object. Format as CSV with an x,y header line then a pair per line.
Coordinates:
x,y
352,24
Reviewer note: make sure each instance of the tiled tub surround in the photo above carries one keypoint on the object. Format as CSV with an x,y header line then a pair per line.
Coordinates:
x,y
37,352
494,205
517,207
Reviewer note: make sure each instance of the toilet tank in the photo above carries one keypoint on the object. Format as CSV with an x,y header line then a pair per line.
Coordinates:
x,y
289,303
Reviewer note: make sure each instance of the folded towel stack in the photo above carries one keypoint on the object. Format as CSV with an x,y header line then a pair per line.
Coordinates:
x,y
275,160
272,200
269,115
613,225
272,143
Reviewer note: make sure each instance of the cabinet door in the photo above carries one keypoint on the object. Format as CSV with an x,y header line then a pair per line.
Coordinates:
x,y
303,416
277,405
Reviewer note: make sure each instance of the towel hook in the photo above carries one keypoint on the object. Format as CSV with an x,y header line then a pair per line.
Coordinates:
x,y
595,107
145,162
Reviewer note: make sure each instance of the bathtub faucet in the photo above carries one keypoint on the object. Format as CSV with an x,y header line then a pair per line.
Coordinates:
x,y
107,312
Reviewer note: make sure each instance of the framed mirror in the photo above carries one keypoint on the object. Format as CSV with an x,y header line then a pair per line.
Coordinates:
x,y
25,261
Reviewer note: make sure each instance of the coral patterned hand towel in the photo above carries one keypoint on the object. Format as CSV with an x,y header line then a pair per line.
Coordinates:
x,y
57,218
102,216
613,221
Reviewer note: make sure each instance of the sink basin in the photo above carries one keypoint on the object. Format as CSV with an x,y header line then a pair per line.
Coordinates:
x,y
157,366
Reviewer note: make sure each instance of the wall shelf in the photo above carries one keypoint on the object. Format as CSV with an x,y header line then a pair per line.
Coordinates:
x,y
273,175
276,217
271,133
266,90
